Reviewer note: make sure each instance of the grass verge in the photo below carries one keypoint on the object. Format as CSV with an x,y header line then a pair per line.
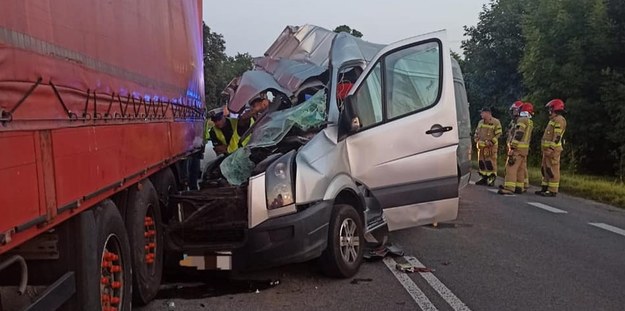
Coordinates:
x,y
600,189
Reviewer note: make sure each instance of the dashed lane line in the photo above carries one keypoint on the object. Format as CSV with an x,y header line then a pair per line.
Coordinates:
x,y
547,208
439,287
608,227
415,292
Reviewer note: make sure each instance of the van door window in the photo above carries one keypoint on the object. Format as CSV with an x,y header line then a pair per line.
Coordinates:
x,y
412,80
368,99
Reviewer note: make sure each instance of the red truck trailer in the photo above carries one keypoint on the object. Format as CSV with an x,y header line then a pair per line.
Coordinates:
x,y
101,114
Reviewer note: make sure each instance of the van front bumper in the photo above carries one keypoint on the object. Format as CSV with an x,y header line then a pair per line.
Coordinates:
x,y
287,239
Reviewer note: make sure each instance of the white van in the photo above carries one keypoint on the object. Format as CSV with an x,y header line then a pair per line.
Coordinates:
x,y
359,136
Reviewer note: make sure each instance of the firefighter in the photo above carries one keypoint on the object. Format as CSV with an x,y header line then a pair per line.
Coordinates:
x,y
515,109
518,151
487,140
551,146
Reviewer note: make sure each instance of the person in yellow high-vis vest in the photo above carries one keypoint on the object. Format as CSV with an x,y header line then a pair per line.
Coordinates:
x,y
487,140
519,149
226,133
551,146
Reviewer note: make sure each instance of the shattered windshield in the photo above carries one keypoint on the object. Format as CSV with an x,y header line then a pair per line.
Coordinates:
x,y
270,130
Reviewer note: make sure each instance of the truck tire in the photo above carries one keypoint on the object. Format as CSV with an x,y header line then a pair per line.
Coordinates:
x,y
113,254
145,232
165,184
344,253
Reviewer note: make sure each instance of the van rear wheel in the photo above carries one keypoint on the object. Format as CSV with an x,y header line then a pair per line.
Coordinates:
x,y
343,256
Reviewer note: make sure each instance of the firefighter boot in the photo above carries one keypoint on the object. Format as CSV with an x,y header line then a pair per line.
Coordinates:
x,y
549,194
542,190
482,181
518,190
491,180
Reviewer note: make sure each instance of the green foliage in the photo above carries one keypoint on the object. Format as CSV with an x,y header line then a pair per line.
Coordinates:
x,y
492,55
538,50
220,68
349,30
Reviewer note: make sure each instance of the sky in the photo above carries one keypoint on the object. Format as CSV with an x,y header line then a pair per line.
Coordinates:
x,y
252,25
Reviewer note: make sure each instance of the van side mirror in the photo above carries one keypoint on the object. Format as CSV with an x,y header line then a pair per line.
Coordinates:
x,y
349,122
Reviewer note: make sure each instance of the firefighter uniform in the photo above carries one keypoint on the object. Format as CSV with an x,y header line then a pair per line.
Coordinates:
x,y
509,138
516,165
487,140
551,146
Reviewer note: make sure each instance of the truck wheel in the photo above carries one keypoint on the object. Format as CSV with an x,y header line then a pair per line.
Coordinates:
x,y
114,258
165,184
343,256
145,232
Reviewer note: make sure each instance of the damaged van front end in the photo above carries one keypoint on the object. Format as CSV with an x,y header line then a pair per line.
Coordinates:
x,y
359,139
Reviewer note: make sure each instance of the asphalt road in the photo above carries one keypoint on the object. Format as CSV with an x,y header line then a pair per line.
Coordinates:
x,y
502,253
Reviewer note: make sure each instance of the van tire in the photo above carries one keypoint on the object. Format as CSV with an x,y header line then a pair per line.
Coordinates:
x,y
343,261
111,235
144,225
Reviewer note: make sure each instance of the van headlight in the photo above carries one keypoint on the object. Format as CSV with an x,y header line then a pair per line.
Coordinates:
x,y
279,182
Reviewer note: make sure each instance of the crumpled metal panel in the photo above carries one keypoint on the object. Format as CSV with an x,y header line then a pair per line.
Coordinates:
x,y
308,43
289,73
347,47
300,53
252,82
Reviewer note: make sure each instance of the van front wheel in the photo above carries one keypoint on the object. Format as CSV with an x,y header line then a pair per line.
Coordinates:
x,y
343,256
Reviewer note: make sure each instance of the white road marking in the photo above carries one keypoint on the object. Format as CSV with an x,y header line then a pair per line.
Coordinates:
x,y
439,287
471,182
547,208
608,227
415,292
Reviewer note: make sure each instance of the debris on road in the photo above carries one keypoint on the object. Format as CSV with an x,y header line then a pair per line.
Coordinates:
x,y
403,264
383,251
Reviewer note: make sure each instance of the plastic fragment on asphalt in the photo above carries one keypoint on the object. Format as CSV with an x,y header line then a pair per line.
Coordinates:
x,y
409,268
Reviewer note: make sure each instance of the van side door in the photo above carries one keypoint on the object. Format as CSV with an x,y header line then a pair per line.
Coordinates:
x,y
403,141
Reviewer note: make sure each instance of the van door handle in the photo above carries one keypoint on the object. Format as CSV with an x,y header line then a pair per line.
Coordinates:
x,y
437,130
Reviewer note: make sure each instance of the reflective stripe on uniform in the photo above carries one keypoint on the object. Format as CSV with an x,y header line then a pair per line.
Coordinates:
x,y
220,136
509,184
554,184
488,126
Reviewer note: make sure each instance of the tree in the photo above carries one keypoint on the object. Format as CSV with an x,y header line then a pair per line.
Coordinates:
x,y
214,57
219,68
566,52
349,30
492,56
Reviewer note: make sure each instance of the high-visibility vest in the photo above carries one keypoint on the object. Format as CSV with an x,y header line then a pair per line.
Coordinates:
x,y
233,144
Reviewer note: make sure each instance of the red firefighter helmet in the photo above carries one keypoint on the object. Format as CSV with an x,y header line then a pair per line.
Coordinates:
x,y
555,105
516,105
527,107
